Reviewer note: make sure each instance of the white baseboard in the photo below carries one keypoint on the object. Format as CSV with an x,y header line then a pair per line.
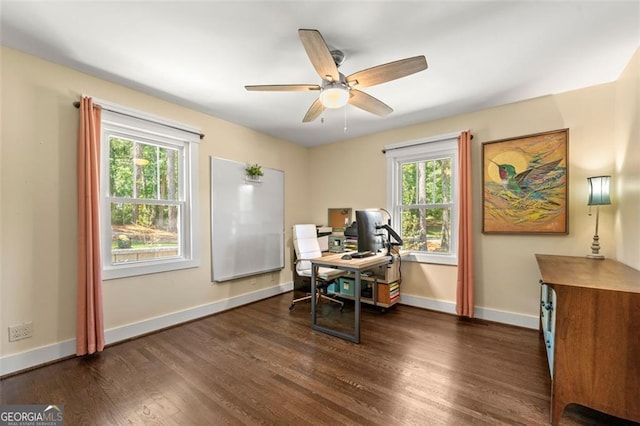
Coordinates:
x,y
34,357
427,303
39,356
512,318
121,333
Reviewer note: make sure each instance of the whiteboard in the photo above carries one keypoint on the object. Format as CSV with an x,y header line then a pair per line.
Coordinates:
x,y
247,221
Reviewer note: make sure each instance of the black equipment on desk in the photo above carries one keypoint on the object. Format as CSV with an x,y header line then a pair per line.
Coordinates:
x,y
392,233
361,254
351,230
369,239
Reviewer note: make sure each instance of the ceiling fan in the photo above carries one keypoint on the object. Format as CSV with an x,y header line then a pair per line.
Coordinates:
x,y
337,90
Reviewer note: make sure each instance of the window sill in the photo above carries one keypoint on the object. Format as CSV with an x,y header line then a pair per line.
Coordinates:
x,y
443,259
143,268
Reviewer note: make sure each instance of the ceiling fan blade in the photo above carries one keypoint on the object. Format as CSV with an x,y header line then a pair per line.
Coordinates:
x,y
387,72
369,103
314,111
319,54
283,87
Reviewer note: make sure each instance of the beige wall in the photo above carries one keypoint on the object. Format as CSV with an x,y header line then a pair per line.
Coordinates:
x,y
603,140
627,164
38,210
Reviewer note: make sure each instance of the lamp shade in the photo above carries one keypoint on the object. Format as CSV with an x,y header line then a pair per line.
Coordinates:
x,y
140,161
334,95
599,190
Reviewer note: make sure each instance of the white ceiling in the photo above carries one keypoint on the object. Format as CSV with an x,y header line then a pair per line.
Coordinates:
x,y
201,54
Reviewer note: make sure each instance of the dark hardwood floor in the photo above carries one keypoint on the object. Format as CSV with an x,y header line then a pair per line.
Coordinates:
x,y
261,364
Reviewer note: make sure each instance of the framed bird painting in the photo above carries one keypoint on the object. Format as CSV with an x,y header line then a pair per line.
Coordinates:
x,y
524,184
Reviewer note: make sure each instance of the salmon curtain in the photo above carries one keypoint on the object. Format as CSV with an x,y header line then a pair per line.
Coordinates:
x,y
465,288
89,322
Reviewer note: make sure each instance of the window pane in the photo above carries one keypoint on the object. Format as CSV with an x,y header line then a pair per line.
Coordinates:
x,y
429,183
120,167
426,182
157,173
438,177
409,187
169,187
413,234
426,230
153,169
144,232
445,180
146,177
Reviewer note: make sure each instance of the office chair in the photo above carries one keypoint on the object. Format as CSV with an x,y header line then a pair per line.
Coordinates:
x,y
306,246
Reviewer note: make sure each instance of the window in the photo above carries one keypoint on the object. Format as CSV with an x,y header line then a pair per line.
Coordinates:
x,y
422,177
149,202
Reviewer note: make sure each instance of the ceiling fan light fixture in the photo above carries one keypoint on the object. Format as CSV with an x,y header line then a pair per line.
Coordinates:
x,y
334,95
140,161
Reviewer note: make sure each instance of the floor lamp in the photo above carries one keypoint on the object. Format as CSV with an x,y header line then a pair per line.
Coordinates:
x,y
598,195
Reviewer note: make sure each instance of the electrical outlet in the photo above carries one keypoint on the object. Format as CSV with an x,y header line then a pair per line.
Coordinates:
x,y
21,331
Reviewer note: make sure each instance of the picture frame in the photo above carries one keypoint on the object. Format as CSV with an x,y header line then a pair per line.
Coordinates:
x,y
524,184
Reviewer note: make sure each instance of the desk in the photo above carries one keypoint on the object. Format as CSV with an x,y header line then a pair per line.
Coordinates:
x,y
355,266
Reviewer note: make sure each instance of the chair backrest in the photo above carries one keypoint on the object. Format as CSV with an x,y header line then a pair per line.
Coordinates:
x,y
305,243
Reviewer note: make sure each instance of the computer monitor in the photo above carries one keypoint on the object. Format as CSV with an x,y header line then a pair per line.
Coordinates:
x,y
370,238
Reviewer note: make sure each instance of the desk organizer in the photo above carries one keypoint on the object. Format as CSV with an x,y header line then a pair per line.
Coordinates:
x,y
388,294
386,280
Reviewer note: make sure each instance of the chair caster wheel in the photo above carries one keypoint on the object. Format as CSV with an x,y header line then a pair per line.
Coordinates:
x,y
292,307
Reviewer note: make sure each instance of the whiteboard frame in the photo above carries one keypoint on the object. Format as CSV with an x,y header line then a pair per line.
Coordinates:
x,y
229,192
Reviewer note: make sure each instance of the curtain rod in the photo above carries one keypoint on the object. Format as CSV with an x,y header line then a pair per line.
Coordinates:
x,y
384,151
77,105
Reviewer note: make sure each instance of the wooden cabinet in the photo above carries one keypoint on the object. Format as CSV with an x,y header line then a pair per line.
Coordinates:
x,y
590,323
548,320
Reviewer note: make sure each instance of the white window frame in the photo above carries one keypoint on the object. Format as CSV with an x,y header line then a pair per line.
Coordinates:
x,y
130,124
432,148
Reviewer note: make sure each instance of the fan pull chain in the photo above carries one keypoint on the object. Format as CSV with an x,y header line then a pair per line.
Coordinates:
x,y
345,118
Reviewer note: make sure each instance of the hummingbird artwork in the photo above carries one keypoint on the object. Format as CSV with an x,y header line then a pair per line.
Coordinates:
x,y
529,182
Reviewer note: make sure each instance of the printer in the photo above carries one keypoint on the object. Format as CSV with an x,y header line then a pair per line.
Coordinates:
x,y
323,236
